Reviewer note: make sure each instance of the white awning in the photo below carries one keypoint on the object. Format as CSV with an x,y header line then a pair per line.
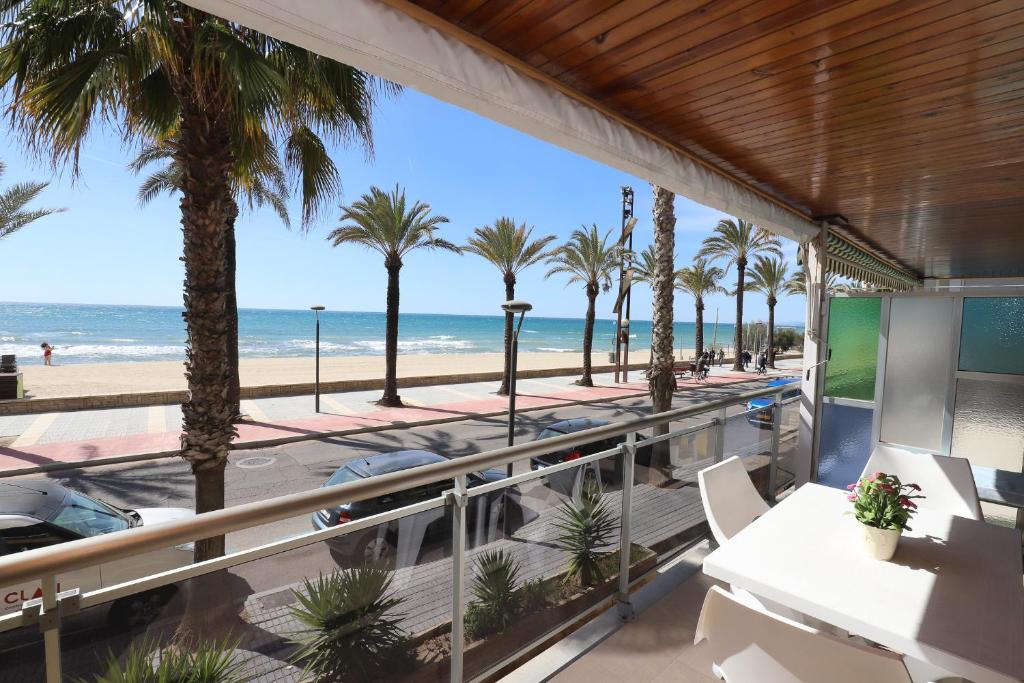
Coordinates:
x,y
378,39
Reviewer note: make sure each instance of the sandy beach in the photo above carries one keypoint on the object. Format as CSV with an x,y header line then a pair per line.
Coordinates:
x,y
94,379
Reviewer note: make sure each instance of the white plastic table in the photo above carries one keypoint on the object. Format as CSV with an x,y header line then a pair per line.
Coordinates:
x,y
952,596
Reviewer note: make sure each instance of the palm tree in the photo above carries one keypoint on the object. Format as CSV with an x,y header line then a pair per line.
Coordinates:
x,y
768,276
645,269
509,248
737,241
262,183
220,94
381,221
586,258
660,376
13,214
699,281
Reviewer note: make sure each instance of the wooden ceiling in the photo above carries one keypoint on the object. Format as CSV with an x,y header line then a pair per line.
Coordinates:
x,y
905,117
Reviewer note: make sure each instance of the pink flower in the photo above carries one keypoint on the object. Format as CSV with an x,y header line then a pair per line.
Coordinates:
x,y
878,475
914,486
886,487
850,487
871,477
851,497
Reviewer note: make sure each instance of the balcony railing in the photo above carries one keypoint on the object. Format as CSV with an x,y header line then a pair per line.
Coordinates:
x,y
438,547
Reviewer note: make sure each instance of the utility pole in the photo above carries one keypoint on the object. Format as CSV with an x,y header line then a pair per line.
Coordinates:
x,y
625,242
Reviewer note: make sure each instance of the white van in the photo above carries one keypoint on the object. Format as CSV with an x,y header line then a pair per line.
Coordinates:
x,y
37,514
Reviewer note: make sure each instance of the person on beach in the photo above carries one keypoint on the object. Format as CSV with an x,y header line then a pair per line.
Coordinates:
x,y
721,357
47,353
746,359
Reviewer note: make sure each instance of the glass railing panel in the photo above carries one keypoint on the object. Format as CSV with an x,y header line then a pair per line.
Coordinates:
x,y
748,436
560,560
21,649
667,510
789,429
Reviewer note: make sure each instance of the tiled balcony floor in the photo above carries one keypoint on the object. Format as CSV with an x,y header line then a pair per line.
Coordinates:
x,y
655,648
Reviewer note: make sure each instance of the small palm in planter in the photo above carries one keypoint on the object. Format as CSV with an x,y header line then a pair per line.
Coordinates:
x,y
146,661
495,588
351,627
883,505
587,525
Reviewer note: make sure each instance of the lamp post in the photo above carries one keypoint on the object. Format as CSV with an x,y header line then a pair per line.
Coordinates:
x,y
316,387
513,307
625,242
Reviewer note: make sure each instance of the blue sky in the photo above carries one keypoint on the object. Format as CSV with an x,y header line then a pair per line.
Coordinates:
x,y
106,249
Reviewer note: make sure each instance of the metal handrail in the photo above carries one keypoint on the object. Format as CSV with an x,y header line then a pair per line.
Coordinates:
x,y
88,552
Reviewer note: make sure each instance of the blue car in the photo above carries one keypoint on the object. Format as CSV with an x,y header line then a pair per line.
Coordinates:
x,y
760,409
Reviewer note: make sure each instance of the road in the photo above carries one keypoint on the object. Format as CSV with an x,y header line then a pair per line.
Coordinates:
x,y
254,475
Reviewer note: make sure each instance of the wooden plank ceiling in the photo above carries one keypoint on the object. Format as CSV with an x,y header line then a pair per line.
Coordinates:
x,y
906,117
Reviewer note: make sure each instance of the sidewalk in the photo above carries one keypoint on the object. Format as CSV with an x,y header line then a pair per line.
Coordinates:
x,y
30,443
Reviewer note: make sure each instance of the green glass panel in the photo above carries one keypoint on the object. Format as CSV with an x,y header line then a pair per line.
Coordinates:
x,y
992,335
853,325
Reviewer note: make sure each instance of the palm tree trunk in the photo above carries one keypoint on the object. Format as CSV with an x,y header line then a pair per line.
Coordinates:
x,y
588,336
698,335
741,267
207,200
235,387
506,377
207,416
771,332
391,397
660,376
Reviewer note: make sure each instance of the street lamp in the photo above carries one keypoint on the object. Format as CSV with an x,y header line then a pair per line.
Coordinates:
x,y
513,307
316,387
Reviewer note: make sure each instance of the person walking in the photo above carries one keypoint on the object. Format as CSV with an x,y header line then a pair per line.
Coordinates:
x,y
47,353
746,359
721,357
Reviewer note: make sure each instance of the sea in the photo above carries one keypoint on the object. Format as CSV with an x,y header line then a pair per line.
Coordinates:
x,y
87,333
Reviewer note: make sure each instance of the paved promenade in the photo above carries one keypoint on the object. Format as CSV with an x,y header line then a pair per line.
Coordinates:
x,y
51,439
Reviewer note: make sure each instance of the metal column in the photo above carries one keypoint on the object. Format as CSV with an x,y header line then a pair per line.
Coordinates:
x,y
773,465
625,605
49,624
458,499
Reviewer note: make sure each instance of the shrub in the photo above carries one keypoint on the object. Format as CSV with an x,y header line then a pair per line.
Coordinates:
x,y
351,626
786,339
146,662
494,587
534,595
497,599
587,524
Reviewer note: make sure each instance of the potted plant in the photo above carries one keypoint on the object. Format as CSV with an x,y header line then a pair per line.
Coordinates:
x,y
883,505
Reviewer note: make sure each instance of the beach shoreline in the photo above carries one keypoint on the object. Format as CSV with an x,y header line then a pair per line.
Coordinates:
x,y
145,377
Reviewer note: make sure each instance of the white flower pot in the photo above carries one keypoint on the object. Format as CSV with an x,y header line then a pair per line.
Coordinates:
x,y
879,544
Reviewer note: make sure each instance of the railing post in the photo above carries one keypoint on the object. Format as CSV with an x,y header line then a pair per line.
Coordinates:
x,y
773,464
720,436
458,499
49,624
625,604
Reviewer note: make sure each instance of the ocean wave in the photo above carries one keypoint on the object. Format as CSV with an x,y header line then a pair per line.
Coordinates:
x,y
111,351
555,349
79,334
121,340
7,339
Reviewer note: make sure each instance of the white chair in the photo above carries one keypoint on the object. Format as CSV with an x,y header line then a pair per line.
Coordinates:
x,y
730,500
751,645
946,482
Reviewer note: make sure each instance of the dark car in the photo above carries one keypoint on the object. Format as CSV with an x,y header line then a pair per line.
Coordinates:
x,y
606,471
401,542
760,409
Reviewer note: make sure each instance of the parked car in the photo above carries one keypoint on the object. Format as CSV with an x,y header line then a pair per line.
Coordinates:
x,y
762,407
605,471
39,514
402,542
